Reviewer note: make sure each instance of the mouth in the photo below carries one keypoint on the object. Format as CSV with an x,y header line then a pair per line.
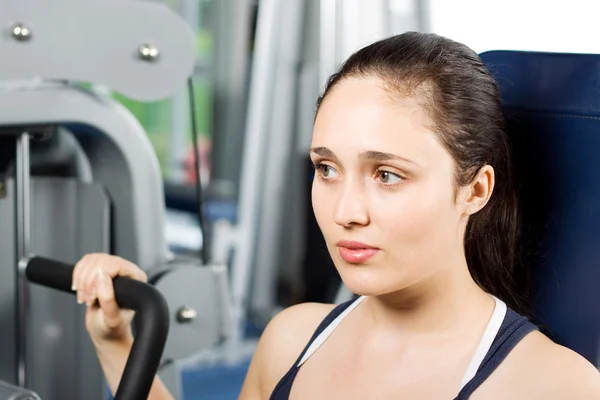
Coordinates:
x,y
355,252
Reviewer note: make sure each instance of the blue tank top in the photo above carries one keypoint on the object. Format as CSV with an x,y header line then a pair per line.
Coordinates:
x,y
510,328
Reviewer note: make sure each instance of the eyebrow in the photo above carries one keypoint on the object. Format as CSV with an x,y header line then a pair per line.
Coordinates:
x,y
381,156
323,152
367,155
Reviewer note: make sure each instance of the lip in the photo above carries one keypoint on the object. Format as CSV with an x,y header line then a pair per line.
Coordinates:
x,y
354,245
355,252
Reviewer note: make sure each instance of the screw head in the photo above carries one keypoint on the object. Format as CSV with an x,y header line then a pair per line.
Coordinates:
x,y
21,32
148,52
186,314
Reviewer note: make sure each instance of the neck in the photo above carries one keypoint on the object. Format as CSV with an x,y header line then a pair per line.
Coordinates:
x,y
444,303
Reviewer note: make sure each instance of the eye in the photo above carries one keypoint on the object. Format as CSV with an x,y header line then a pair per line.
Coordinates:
x,y
388,178
326,171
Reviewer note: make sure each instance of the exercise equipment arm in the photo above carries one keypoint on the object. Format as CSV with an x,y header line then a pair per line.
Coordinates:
x,y
152,317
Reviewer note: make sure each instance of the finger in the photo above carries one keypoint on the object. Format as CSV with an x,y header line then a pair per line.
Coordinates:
x,y
132,271
106,298
77,271
141,275
116,266
110,265
88,279
78,282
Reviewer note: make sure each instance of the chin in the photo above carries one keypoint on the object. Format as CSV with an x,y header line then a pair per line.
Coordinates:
x,y
366,282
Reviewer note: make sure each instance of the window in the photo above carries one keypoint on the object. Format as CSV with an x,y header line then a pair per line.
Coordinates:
x,y
536,25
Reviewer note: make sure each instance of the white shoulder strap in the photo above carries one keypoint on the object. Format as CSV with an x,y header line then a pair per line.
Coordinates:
x,y
319,340
486,341
484,345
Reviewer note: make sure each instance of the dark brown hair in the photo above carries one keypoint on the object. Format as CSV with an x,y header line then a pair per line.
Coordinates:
x,y
464,105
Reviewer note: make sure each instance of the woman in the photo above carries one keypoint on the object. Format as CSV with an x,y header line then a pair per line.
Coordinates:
x,y
415,199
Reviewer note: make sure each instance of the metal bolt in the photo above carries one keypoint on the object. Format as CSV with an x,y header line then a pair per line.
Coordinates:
x,y
148,52
21,32
186,314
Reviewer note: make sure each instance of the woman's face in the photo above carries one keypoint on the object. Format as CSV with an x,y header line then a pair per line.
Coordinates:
x,y
383,193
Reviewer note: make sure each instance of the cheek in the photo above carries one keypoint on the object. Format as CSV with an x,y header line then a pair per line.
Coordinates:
x,y
416,220
321,207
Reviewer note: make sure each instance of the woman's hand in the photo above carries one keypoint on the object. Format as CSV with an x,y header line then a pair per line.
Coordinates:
x,y
92,279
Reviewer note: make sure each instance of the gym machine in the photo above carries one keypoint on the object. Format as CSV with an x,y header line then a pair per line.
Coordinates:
x,y
152,326
79,175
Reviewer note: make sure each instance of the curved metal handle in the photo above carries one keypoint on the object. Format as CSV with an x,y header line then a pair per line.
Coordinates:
x,y
152,321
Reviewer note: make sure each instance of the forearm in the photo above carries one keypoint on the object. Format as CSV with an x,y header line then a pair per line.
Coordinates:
x,y
113,357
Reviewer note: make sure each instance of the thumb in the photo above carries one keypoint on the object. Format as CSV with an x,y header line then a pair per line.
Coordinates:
x,y
106,298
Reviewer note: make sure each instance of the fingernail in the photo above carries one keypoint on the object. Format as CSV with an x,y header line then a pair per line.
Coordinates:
x,y
73,288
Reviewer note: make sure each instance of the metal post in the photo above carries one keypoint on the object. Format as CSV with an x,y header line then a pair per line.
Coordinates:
x,y
328,32
231,28
278,161
257,125
23,212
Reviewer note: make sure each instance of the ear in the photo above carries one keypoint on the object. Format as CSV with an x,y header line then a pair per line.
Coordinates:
x,y
477,194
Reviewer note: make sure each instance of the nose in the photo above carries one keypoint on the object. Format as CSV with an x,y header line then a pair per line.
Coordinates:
x,y
351,208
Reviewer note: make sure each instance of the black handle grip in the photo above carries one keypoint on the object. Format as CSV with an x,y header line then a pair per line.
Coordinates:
x,y
152,314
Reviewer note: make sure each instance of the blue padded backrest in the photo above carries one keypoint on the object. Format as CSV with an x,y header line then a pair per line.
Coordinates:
x,y
552,105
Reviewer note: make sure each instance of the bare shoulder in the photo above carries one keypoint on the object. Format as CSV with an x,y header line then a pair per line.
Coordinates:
x,y
286,336
280,345
567,373
540,368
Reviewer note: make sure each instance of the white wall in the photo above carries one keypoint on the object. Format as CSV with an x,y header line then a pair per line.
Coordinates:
x,y
542,25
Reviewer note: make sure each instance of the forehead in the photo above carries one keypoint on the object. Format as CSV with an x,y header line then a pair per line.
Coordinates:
x,y
360,114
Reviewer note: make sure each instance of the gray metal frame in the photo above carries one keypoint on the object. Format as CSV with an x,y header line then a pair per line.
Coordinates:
x,y
12,392
23,228
151,53
55,356
268,136
241,238
280,170
115,32
231,25
124,163
121,158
